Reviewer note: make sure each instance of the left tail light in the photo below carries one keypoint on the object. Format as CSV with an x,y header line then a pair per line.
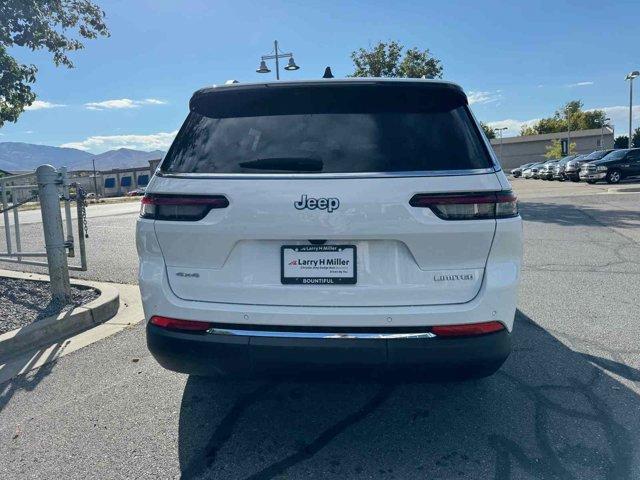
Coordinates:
x,y
469,206
180,207
177,324
467,330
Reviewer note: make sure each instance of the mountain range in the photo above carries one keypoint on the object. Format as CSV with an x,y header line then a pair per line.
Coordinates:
x,y
20,157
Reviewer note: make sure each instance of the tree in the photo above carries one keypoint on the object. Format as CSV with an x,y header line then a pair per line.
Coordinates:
x,y
621,142
554,149
53,25
386,60
488,131
571,115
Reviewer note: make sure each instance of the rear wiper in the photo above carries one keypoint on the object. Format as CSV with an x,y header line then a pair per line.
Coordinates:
x,y
290,164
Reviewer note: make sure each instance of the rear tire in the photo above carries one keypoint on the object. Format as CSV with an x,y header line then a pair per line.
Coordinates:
x,y
614,176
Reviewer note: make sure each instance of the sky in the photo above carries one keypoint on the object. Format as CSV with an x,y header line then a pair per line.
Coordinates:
x,y
517,62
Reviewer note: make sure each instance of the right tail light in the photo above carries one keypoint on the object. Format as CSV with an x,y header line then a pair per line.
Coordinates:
x,y
469,206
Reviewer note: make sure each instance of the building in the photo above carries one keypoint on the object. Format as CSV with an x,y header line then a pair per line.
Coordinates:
x,y
516,151
118,182
109,183
153,165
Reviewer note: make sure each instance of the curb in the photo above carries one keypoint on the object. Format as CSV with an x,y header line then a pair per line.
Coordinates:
x,y
57,327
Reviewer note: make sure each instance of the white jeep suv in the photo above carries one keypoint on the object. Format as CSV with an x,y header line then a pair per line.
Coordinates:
x,y
331,224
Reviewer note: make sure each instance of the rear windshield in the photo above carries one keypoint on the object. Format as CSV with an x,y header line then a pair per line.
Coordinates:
x,y
328,130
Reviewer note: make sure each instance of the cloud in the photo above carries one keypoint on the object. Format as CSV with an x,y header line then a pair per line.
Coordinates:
x,y
619,116
513,126
580,84
42,104
102,143
122,103
477,97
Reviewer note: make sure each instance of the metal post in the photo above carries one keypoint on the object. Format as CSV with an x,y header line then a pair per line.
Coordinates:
x,y
630,109
48,180
67,211
95,181
81,233
16,225
5,205
275,44
501,145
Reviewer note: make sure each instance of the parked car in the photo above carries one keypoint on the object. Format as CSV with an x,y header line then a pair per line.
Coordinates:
x,y
572,168
271,241
546,171
612,168
531,171
517,172
558,171
136,192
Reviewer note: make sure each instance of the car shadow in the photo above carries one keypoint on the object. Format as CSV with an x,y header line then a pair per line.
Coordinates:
x,y
550,412
570,215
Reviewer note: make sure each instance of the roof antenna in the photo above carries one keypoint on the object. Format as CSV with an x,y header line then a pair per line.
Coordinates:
x,y
327,73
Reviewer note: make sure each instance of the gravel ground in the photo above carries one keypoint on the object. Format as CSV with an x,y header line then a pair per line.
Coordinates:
x,y
26,301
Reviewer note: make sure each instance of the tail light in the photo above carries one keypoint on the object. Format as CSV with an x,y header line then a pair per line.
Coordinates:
x,y
176,324
470,329
469,206
180,207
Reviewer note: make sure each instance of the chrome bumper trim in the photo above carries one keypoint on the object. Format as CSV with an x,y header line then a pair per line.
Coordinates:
x,y
334,335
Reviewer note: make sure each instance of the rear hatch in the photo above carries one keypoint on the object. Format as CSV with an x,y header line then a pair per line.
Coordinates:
x,y
322,195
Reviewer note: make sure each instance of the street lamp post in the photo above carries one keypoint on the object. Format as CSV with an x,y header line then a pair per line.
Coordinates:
x,y
291,65
501,130
630,76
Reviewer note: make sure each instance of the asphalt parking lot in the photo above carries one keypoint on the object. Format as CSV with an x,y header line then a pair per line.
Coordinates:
x,y
566,405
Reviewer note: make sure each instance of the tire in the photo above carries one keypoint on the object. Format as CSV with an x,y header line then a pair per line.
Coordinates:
x,y
614,176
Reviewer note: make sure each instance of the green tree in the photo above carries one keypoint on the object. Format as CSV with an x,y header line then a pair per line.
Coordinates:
x,y
621,141
570,115
554,149
386,60
488,131
53,25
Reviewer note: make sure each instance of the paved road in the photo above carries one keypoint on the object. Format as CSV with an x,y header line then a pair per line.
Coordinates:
x,y
565,405
95,210
111,253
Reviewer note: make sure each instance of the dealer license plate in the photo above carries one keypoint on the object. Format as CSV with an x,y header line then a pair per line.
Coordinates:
x,y
318,264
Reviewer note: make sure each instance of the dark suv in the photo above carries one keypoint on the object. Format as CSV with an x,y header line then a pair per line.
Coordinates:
x,y
614,167
572,168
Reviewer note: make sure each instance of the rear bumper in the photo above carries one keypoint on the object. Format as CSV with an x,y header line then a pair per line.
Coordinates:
x,y
214,354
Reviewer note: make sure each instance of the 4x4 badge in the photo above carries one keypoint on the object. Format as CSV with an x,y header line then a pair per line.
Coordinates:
x,y
328,204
